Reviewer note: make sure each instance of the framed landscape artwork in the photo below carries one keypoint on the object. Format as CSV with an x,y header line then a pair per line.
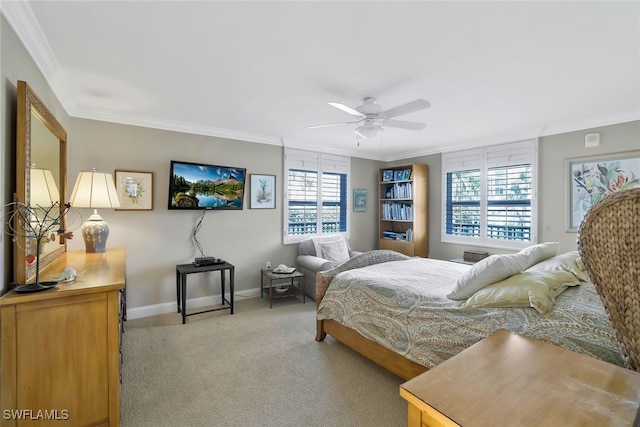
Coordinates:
x,y
591,178
263,192
135,190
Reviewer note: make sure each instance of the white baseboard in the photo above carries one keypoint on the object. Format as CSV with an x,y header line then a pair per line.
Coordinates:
x,y
172,307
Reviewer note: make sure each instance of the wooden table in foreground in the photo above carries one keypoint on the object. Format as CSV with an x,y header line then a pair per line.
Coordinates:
x,y
511,380
60,348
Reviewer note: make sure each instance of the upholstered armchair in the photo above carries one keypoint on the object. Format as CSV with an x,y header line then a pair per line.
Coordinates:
x,y
320,254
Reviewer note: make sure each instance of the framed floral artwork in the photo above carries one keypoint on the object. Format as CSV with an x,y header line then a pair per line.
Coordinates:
x,y
263,192
591,178
135,190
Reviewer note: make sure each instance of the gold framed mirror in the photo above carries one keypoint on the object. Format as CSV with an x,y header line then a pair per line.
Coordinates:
x,y
41,150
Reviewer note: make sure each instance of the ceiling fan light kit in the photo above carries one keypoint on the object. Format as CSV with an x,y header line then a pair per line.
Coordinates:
x,y
374,118
369,130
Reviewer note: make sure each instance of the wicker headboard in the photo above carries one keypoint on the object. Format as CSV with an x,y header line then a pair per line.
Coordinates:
x,y
609,243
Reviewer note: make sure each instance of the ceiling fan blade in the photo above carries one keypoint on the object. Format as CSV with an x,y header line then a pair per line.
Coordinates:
x,y
331,124
405,124
347,109
409,107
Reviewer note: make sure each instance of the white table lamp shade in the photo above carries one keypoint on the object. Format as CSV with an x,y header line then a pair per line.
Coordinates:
x,y
43,191
95,190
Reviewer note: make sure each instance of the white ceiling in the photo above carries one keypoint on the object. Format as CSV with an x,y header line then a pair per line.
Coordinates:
x,y
264,71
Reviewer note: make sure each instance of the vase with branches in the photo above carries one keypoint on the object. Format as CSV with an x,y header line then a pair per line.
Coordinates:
x,y
39,224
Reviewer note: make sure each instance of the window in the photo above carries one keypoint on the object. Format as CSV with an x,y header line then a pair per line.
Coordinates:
x,y
489,195
316,196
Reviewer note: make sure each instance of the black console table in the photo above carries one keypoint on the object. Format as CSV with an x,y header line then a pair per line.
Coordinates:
x,y
183,270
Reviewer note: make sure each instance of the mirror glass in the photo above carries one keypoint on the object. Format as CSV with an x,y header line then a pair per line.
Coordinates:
x,y
40,178
45,172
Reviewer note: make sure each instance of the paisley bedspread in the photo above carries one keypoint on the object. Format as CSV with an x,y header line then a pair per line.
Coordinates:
x,y
402,305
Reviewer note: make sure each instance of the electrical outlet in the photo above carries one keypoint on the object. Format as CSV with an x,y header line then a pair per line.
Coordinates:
x,y
268,264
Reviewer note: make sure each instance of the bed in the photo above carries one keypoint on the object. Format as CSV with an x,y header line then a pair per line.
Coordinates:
x,y
394,310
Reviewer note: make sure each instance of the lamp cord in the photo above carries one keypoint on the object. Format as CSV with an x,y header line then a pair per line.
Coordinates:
x,y
196,228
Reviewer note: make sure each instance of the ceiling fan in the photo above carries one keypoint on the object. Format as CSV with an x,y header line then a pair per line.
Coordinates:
x,y
374,118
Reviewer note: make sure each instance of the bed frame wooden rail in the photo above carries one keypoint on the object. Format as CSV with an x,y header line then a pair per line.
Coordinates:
x,y
393,362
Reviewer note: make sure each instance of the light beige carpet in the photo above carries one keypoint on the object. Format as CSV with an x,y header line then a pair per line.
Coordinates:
x,y
258,367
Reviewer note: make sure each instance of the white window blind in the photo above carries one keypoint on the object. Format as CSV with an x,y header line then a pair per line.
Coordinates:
x,y
489,195
316,196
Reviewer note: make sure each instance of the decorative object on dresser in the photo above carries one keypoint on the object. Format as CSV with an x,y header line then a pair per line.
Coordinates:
x,y
42,223
403,222
135,190
95,190
61,347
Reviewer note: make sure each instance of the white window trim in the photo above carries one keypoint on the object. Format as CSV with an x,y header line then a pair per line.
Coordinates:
x,y
482,164
322,163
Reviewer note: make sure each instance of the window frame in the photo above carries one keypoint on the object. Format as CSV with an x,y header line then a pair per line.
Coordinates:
x,y
485,158
322,163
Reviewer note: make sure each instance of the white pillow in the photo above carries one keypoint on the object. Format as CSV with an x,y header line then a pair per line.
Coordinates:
x,y
317,239
487,271
540,252
537,289
334,251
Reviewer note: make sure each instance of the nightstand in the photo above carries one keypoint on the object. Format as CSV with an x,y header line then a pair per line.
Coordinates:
x,y
267,278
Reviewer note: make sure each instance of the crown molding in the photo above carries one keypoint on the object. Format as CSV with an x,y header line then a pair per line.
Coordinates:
x,y
547,130
304,145
183,127
20,17
593,122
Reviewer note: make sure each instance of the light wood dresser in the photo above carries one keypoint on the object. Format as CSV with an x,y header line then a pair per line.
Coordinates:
x,y
511,380
60,349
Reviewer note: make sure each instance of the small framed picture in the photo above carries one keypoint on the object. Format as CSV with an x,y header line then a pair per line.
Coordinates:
x,y
359,200
135,190
263,192
406,174
387,175
397,175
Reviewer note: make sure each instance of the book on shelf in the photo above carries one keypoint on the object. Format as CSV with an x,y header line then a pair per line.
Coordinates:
x,y
406,236
398,191
397,211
